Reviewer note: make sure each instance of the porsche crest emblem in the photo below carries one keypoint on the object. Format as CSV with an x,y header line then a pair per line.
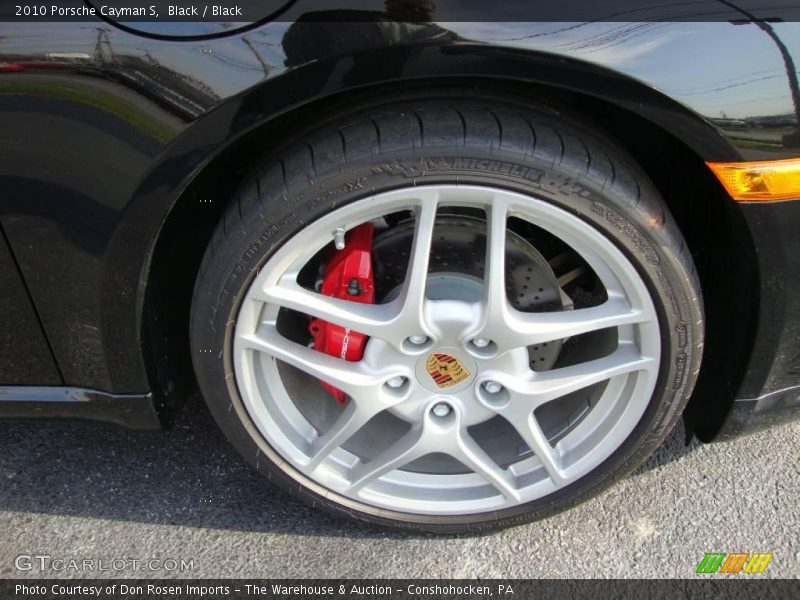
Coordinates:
x,y
446,370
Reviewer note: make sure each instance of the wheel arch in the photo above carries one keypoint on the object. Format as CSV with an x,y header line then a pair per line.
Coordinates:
x,y
203,166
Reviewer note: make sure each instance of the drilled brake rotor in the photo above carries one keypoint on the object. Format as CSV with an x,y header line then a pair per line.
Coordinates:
x,y
458,252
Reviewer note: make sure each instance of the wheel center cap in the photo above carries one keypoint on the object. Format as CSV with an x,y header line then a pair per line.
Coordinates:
x,y
446,370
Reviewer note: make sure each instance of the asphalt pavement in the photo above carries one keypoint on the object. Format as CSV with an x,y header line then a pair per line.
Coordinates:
x,y
76,491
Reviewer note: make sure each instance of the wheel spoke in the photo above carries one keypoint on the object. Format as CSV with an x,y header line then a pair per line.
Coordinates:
x,y
473,456
413,292
454,441
495,299
544,386
529,329
403,451
511,328
355,415
532,434
411,299
351,377
374,320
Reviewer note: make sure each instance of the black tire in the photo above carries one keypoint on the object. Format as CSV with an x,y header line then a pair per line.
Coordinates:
x,y
472,140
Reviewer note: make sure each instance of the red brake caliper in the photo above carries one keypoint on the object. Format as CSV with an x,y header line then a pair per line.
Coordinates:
x,y
348,276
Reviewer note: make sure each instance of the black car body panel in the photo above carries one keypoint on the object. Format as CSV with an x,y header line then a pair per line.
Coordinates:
x,y
26,357
769,392
106,132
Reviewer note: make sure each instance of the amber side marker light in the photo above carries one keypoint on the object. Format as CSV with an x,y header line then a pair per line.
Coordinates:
x,y
760,181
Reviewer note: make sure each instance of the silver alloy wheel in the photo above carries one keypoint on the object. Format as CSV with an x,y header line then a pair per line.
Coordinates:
x,y
499,381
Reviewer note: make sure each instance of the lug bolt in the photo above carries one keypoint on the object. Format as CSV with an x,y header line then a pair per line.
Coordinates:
x,y
481,342
396,382
417,340
492,387
441,410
